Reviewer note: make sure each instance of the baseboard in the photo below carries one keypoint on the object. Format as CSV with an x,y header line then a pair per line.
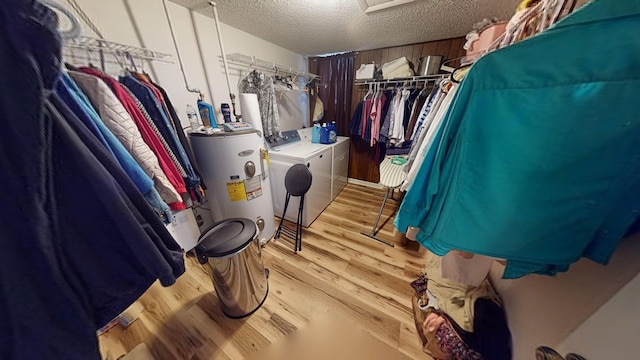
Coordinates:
x,y
365,183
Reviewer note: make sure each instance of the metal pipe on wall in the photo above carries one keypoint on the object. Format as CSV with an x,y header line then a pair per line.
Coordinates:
x,y
224,59
175,45
136,29
203,61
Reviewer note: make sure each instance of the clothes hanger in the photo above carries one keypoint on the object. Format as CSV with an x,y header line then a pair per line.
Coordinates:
x,y
90,63
288,81
540,19
128,56
552,11
124,70
102,61
459,73
76,28
425,87
567,8
416,86
76,60
72,56
144,71
405,87
445,85
368,92
313,87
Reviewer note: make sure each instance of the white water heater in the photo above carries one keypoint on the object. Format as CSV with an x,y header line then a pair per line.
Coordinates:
x,y
234,166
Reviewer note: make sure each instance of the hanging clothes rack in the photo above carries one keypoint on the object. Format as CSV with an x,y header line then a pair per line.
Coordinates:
x,y
401,80
269,67
544,14
110,47
76,41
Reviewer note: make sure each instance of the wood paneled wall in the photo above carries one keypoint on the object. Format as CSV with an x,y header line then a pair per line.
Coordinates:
x,y
362,164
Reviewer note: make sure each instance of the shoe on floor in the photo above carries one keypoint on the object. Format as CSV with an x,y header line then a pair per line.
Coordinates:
x,y
572,356
547,353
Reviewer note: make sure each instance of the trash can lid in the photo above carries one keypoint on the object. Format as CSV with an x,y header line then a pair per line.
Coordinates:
x,y
225,238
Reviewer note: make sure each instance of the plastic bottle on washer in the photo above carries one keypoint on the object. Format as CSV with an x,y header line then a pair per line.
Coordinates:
x,y
315,135
324,134
192,115
333,132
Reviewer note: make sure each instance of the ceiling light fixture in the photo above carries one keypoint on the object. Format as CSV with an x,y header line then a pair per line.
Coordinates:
x,y
369,6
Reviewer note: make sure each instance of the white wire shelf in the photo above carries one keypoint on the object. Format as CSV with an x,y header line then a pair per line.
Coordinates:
x,y
268,66
106,46
400,80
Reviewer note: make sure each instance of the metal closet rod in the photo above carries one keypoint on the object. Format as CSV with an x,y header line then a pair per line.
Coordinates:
x,y
399,80
268,66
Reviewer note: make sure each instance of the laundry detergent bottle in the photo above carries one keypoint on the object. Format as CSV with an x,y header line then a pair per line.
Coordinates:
x,y
333,132
315,134
324,134
206,113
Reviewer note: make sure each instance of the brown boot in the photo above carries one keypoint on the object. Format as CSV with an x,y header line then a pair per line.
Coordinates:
x,y
547,353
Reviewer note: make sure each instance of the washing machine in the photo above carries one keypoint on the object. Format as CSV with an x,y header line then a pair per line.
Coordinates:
x,y
288,151
340,165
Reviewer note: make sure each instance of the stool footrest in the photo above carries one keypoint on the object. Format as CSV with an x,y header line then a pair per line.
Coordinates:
x,y
374,230
288,231
296,234
374,237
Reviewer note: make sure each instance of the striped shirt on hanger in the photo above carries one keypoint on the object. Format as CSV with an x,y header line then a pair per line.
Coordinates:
x,y
147,117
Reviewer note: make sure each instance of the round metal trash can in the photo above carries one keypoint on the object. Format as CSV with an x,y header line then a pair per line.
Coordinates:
x,y
230,251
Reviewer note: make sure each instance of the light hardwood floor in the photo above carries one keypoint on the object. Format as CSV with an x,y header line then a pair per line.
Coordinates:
x,y
338,271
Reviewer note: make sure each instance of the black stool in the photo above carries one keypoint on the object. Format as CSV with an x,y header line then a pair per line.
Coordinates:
x,y
297,182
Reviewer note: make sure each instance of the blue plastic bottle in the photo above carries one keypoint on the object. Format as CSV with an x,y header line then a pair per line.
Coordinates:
x,y
315,134
206,113
324,134
226,112
333,132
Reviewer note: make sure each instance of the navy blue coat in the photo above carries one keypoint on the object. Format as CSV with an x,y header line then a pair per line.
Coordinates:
x,y
78,243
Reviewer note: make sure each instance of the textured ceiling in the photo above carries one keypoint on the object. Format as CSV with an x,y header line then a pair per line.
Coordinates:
x,y
313,27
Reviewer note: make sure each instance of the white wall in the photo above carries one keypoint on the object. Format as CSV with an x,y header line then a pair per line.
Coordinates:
x,y
612,332
143,23
195,33
544,310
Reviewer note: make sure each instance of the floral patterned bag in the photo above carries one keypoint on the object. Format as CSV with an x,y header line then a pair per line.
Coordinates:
x,y
444,343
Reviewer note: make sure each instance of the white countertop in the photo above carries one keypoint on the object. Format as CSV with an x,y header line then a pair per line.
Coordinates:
x,y
298,151
304,149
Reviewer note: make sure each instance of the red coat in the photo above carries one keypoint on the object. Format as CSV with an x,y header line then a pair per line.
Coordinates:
x,y
147,133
